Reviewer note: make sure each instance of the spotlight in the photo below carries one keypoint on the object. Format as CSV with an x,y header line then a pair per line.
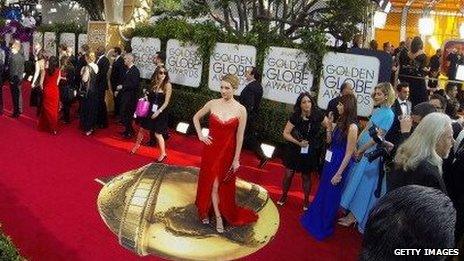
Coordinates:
x,y
426,26
182,127
380,18
205,132
268,152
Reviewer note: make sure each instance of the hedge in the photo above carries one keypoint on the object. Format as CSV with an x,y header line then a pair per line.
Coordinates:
x,y
7,250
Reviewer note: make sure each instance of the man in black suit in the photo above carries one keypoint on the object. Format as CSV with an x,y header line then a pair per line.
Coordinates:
x,y
127,92
401,107
118,71
251,97
451,94
102,85
16,69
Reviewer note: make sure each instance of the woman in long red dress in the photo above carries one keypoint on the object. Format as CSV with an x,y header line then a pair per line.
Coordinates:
x,y
48,120
220,159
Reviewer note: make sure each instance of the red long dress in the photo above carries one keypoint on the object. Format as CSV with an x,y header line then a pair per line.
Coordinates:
x,y
48,120
215,163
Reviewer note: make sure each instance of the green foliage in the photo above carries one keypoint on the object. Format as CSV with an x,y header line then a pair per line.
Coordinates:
x,y
7,250
59,28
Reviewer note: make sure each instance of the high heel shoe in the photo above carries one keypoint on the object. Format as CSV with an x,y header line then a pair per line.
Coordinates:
x,y
134,149
347,222
162,159
282,201
305,206
205,221
219,225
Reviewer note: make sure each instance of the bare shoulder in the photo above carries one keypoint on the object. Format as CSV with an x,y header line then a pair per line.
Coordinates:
x,y
168,85
353,127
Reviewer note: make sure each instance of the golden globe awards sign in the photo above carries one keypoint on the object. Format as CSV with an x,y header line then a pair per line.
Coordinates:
x,y
230,58
50,43
37,38
285,74
144,50
81,40
362,72
183,63
69,39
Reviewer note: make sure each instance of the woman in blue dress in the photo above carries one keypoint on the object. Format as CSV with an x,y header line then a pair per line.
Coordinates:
x,y
358,196
319,220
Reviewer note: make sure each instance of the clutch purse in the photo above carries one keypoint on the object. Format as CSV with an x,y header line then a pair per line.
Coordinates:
x,y
142,108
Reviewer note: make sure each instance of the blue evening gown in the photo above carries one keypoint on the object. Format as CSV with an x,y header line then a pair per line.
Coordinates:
x,y
358,196
320,218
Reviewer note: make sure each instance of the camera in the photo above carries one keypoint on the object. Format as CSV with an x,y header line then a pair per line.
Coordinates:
x,y
380,150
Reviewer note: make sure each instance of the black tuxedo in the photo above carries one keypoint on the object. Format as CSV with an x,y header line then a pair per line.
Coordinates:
x,y
101,86
250,98
118,70
394,134
128,97
453,175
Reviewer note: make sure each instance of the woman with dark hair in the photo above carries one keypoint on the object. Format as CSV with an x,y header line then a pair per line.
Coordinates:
x,y
319,220
66,86
301,134
415,70
48,120
157,119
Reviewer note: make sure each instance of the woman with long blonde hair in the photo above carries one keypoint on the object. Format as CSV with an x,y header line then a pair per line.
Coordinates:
x,y
358,196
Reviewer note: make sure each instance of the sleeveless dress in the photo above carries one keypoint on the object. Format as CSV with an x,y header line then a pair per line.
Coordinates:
x,y
215,163
48,120
319,220
159,124
358,196
89,110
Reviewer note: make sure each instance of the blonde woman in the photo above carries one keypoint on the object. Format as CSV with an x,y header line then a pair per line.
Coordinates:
x,y
358,196
220,158
419,159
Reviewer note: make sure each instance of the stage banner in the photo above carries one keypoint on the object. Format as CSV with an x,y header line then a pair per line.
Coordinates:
x,y
361,71
183,63
230,58
285,74
37,38
81,40
144,49
50,43
97,32
69,39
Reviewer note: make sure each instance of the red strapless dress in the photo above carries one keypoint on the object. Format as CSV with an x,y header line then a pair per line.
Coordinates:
x,y
48,120
215,163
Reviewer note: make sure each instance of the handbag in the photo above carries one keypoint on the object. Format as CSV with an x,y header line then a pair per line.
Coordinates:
x,y
36,97
142,108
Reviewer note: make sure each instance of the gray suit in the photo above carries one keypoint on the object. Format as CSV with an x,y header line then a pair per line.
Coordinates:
x,y
16,67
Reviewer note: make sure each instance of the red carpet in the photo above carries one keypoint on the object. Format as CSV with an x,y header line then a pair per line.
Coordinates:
x,y
48,193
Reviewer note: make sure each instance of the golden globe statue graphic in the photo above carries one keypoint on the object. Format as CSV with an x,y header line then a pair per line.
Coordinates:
x,y
152,211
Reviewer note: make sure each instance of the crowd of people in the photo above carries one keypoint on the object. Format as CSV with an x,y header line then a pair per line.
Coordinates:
x,y
411,145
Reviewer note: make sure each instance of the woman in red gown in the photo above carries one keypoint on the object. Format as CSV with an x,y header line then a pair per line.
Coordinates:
x,y
220,159
48,120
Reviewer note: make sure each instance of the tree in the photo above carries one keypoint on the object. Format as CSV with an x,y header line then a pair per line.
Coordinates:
x,y
289,18
94,8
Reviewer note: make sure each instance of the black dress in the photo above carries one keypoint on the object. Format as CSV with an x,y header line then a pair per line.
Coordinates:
x,y
305,129
89,109
159,124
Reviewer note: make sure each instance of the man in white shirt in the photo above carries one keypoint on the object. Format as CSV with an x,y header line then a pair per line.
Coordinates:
x,y
401,108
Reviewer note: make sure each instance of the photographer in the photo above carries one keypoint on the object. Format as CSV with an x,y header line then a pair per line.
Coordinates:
x,y
419,159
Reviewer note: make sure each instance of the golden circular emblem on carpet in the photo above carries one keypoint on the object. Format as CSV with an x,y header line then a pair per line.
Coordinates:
x,y
152,212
